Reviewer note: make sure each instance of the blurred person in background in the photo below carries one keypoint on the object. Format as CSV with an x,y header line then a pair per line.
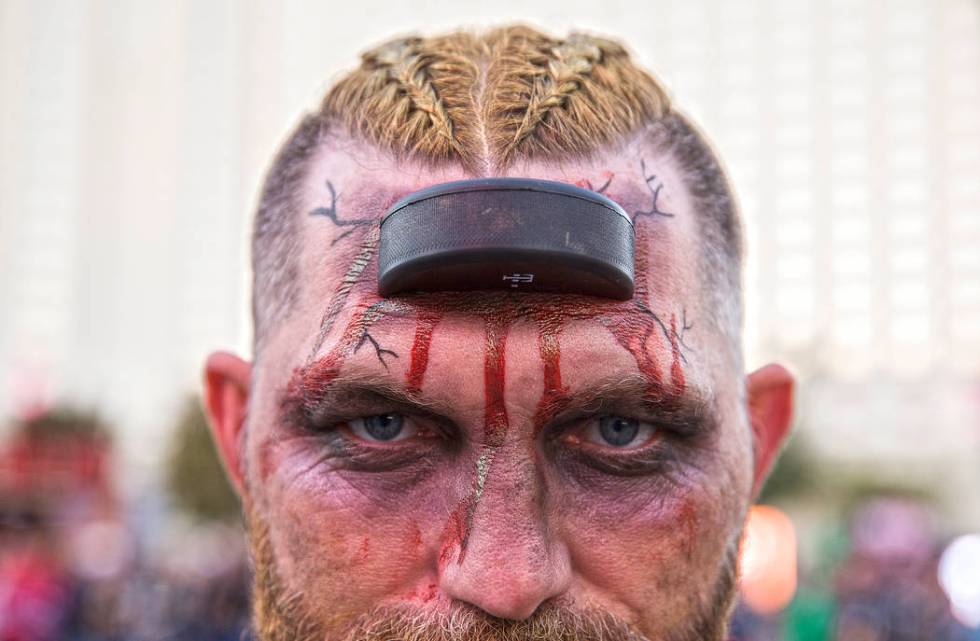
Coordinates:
x,y
72,566
53,484
495,465
887,588
35,589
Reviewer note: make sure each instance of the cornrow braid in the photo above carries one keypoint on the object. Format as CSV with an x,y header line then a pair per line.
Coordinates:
x,y
456,73
570,63
519,57
567,96
485,102
392,100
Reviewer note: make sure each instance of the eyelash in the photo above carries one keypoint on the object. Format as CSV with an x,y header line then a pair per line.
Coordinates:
x,y
334,433
362,454
644,459
358,454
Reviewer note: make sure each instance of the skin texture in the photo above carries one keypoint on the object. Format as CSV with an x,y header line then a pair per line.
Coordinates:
x,y
503,513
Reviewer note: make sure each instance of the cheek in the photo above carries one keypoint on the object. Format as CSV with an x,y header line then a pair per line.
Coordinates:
x,y
328,526
654,547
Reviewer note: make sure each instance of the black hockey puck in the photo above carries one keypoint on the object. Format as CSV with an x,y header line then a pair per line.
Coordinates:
x,y
514,234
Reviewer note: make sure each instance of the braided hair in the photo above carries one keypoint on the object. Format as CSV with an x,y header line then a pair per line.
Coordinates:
x,y
488,100
485,101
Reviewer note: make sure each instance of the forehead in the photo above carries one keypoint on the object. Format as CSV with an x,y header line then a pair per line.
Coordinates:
x,y
348,187
367,181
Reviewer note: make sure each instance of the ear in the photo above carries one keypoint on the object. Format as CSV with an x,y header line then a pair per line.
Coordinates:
x,y
226,386
770,399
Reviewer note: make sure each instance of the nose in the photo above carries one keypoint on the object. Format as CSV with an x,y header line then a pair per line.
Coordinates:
x,y
508,561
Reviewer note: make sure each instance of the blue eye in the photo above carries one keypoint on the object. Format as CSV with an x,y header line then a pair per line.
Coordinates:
x,y
382,427
619,431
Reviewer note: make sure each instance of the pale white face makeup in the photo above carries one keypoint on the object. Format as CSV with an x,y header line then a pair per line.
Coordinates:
x,y
491,450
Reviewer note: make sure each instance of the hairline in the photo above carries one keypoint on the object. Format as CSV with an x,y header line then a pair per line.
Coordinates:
x,y
275,235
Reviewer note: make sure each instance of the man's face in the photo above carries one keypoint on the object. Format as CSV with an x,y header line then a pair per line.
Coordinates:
x,y
494,465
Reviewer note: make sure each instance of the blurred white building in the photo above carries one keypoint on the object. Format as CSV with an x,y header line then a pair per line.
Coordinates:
x,y
133,137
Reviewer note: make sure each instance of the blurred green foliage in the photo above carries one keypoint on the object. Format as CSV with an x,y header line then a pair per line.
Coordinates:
x,y
195,477
792,475
64,421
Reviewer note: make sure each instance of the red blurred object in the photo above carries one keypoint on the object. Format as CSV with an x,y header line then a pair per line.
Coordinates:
x,y
57,464
54,456
33,595
769,560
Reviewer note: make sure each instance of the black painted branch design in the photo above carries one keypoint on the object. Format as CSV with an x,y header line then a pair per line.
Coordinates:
x,y
331,213
654,185
378,350
685,325
602,190
669,333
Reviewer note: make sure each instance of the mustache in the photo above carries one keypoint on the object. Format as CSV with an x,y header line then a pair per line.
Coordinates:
x,y
553,621
281,615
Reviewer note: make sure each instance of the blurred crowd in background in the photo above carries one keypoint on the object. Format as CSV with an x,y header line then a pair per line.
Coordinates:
x,y
76,564
133,136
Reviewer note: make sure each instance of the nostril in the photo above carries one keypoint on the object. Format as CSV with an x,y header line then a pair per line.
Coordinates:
x,y
500,554
506,588
513,599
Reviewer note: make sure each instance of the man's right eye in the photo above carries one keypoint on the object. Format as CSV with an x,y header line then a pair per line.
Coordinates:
x,y
383,428
619,432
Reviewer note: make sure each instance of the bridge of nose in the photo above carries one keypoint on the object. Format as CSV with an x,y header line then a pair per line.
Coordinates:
x,y
506,559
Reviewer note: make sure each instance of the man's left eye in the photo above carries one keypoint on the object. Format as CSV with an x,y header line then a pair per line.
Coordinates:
x,y
619,432
383,428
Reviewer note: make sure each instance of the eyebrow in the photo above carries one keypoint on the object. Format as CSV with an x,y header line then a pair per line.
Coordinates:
x,y
308,396
690,411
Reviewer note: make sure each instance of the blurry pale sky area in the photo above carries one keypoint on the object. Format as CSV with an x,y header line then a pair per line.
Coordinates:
x,y
134,135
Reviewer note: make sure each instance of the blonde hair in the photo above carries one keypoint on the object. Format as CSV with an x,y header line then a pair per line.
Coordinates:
x,y
485,101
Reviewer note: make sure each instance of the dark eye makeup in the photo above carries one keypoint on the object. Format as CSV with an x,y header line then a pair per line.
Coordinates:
x,y
622,436
391,444
611,444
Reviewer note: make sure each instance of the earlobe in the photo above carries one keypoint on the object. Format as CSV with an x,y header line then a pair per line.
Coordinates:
x,y
770,407
226,388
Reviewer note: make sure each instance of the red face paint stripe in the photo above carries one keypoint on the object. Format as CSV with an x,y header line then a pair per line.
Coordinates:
x,y
326,369
306,381
632,335
549,347
550,354
427,321
495,416
454,535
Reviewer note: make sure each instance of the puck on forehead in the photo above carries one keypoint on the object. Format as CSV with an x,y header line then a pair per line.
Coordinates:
x,y
509,234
